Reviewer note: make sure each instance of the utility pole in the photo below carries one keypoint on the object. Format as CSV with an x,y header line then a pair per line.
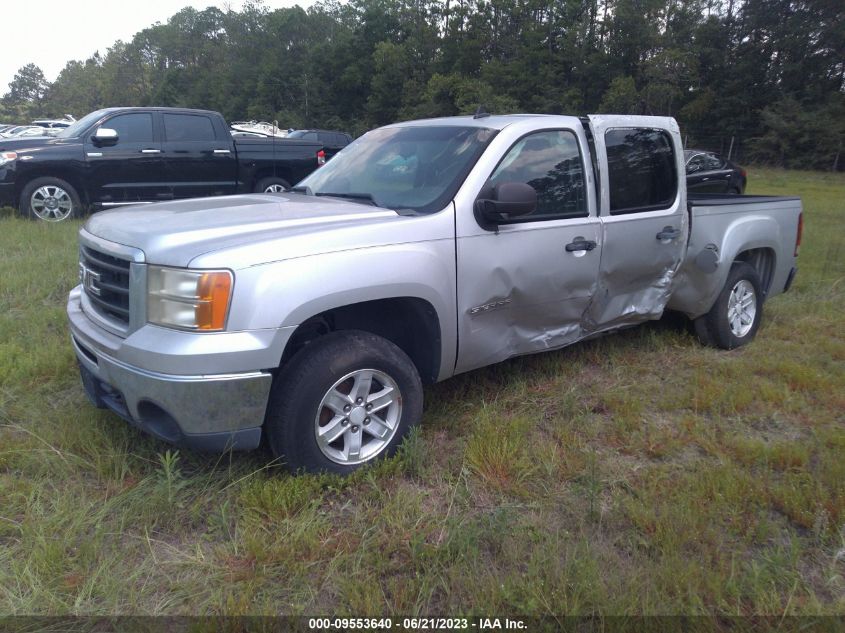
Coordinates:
x,y
307,120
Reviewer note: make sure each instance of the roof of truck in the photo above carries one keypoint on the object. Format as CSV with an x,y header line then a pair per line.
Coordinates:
x,y
490,121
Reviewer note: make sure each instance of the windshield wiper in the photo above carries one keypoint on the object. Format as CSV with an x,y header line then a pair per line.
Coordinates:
x,y
365,197
302,189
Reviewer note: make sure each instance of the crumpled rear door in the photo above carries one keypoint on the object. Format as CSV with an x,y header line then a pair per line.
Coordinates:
x,y
644,220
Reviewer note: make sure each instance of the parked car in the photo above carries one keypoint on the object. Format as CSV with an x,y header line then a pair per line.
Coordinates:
x,y
16,130
121,156
710,173
25,131
332,141
11,129
314,318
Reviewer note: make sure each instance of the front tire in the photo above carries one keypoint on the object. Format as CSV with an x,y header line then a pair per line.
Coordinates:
x,y
346,399
50,200
734,319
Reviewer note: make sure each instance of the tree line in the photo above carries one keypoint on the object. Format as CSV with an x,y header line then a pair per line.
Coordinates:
x,y
769,71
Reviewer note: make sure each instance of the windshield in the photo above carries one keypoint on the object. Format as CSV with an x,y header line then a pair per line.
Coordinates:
x,y
297,133
414,168
80,126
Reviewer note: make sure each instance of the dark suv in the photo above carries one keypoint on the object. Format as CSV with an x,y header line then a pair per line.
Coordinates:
x,y
332,142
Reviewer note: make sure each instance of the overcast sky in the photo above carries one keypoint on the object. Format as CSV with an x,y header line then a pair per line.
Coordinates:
x,y
50,33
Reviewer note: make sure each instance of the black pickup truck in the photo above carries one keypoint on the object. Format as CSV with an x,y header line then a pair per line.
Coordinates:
x,y
119,156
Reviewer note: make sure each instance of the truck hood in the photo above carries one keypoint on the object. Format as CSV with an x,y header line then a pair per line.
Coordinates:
x,y
177,232
35,143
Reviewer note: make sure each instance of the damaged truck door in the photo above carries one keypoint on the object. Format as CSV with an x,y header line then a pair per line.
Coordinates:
x,y
644,220
525,282
587,258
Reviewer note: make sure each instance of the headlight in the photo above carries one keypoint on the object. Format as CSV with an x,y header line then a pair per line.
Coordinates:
x,y
188,299
7,157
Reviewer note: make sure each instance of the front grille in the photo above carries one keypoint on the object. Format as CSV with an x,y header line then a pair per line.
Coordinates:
x,y
105,279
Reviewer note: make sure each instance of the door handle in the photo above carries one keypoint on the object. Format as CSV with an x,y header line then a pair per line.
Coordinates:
x,y
151,151
668,233
222,151
580,244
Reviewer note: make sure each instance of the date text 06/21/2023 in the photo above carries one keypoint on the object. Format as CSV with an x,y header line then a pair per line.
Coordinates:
x,y
416,624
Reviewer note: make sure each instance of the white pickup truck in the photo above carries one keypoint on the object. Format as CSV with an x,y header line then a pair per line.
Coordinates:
x,y
424,249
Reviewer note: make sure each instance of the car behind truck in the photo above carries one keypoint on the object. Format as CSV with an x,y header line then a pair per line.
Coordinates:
x,y
120,156
422,250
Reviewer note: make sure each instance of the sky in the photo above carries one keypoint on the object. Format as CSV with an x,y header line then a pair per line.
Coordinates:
x,y
59,31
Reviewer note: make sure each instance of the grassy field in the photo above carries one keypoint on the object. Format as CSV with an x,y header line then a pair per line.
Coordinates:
x,y
636,474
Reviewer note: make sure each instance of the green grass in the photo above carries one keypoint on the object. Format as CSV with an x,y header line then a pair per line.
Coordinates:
x,y
635,474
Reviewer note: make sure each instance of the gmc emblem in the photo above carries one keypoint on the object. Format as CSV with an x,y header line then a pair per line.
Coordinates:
x,y
89,280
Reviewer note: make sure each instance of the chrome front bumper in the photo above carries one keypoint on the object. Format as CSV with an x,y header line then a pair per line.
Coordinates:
x,y
212,412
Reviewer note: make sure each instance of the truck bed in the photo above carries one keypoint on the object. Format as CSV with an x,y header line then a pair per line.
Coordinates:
x,y
721,199
288,159
763,227
276,146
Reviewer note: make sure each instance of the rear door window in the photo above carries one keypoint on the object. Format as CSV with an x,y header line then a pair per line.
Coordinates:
x,y
188,127
641,170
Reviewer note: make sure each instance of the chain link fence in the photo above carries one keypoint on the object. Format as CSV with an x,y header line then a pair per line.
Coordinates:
x,y
740,148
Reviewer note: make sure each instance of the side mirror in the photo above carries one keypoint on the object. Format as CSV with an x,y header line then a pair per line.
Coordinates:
x,y
105,136
500,203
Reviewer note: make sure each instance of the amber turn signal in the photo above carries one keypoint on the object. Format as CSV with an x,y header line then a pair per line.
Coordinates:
x,y
213,291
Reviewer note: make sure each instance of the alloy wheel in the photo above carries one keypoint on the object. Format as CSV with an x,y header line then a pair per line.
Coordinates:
x,y
358,417
51,203
742,308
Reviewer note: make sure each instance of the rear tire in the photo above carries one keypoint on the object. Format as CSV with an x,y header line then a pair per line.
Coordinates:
x,y
345,399
272,184
734,319
50,200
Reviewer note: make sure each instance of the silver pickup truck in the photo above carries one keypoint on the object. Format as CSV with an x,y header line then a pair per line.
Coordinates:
x,y
423,250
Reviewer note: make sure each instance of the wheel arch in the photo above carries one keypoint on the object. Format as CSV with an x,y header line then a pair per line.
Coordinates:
x,y
68,175
411,323
764,260
754,239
